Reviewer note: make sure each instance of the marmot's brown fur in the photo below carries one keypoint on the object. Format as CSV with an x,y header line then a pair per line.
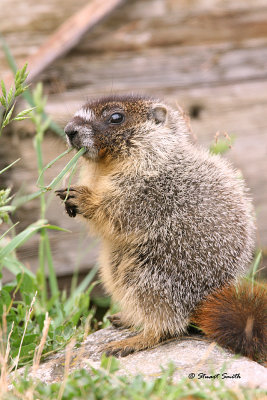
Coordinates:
x,y
176,222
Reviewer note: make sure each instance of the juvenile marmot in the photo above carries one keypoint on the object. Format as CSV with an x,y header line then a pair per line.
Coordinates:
x,y
175,221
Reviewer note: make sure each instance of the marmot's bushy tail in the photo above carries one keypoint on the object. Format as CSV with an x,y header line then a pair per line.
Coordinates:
x,y
236,318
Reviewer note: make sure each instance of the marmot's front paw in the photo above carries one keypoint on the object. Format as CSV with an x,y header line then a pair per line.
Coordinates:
x,y
70,198
74,198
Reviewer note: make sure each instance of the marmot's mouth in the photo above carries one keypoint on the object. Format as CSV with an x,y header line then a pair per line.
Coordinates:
x,y
91,153
78,141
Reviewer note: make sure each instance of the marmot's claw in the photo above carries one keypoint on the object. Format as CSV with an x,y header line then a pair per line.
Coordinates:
x,y
124,347
71,210
63,193
68,196
110,353
119,352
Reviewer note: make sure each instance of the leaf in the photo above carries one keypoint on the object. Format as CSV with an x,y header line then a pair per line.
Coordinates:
x,y
51,270
24,73
9,57
5,299
16,267
70,164
27,95
21,238
222,145
17,75
5,209
6,232
38,98
20,77
19,201
20,90
80,289
111,364
3,101
8,116
28,339
10,96
25,350
49,165
56,228
23,114
3,88
27,283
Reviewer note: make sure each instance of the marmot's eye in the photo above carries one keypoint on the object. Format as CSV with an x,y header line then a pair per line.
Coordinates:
x,y
116,118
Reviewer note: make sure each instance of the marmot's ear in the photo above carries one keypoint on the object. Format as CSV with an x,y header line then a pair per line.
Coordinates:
x,y
159,113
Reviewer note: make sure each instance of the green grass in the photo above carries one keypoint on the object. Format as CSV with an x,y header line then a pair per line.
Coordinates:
x,y
222,144
105,383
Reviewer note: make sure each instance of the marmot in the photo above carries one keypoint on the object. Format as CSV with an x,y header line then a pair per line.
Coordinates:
x,y
176,225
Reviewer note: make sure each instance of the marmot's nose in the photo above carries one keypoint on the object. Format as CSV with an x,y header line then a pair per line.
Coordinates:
x,y
71,130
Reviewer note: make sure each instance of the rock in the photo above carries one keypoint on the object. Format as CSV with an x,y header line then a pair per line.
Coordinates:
x,y
193,356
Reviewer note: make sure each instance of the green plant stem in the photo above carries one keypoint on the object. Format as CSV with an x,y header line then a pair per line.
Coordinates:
x,y
38,144
49,165
9,166
41,269
45,249
51,270
38,147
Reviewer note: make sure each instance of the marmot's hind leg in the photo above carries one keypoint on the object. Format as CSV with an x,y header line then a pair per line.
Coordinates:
x,y
130,345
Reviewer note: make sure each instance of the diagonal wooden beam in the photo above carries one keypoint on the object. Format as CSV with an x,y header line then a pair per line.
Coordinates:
x,y
68,35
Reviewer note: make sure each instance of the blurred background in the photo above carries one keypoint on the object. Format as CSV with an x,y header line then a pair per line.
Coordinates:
x,y
208,56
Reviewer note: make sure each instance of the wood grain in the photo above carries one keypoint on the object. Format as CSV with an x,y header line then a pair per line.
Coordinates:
x,y
67,36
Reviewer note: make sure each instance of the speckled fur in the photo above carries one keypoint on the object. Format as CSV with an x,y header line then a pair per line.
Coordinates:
x,y
175,221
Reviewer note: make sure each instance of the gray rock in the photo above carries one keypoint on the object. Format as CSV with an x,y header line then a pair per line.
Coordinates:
x,y
192,357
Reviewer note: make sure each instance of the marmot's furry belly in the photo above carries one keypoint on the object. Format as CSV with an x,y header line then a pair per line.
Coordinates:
x,y
180,252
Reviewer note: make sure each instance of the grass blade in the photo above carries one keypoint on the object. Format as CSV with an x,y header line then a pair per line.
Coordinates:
x,y
49,165
70,164
56,228
21,237
9,166
254,268
19,201
10,59
81,288
51,270
6,232
16,267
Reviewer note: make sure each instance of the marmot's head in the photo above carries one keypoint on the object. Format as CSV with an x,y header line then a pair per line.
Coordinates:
x,y
116,125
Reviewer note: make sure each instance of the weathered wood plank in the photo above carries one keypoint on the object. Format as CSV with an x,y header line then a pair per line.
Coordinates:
x,y
136,25
175,25
67,36
165,70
